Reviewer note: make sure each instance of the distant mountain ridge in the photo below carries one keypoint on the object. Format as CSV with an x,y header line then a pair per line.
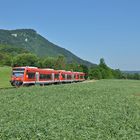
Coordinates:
x,y
131,72
30,40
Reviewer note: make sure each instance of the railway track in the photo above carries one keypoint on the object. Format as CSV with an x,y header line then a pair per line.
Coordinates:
x,y
89,81
6,88
86,81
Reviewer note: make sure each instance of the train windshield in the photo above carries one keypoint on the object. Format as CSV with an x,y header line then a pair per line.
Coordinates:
x,y
18,72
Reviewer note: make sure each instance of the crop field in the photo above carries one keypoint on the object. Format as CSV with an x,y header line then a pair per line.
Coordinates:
x,y
102,110
5,73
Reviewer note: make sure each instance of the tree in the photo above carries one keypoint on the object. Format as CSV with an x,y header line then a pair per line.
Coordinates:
x,y
117,74
25,60
48,62
95,73
102,71
60,62
105,70
136,76
85,70
73,66
5,59
102,64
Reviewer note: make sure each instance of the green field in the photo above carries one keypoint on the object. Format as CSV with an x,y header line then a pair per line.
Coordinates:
x,y
5,73
106,109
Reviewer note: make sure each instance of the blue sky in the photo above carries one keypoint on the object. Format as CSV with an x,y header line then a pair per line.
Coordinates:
x,y
91,29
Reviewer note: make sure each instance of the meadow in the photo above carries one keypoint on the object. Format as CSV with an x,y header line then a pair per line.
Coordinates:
x,y
5,73
102,110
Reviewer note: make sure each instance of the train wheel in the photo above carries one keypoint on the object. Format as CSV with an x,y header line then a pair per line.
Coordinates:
x,y
18,83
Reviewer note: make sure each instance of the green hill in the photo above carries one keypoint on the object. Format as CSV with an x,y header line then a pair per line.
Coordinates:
x,y
31,41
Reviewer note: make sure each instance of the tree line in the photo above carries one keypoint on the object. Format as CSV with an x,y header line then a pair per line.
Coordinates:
x,y
102,71
29,59
20,57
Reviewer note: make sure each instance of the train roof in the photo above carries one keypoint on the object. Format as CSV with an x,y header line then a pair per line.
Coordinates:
x,y
25,67
61,70
46,69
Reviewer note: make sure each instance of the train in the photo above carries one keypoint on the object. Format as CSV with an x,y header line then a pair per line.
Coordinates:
x,y
27,75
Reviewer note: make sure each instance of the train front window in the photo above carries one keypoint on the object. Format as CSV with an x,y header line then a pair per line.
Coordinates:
x,y
18,72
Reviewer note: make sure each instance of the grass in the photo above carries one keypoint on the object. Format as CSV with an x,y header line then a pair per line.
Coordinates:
x,y
107,109
5,73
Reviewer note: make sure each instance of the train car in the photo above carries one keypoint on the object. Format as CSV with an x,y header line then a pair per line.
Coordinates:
x,y
76,76
33,75
23,76
79,76
62,76
66,76
47,76
69,77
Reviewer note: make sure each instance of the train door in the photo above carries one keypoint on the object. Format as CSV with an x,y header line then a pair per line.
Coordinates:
x,y
37,76
72,76
66,77
52,77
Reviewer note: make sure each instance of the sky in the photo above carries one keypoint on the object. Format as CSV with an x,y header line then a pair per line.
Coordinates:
x,y
91,29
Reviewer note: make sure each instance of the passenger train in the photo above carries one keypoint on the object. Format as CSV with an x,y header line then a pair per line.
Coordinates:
x,y
25,76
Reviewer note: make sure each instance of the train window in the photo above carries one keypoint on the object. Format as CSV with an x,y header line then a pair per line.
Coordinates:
x,y
74,76
63,76
42,76
81,76
31,75
45,76
56,76
49,76
68,76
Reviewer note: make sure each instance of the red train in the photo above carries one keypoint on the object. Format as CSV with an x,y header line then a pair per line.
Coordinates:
x,y
33,75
